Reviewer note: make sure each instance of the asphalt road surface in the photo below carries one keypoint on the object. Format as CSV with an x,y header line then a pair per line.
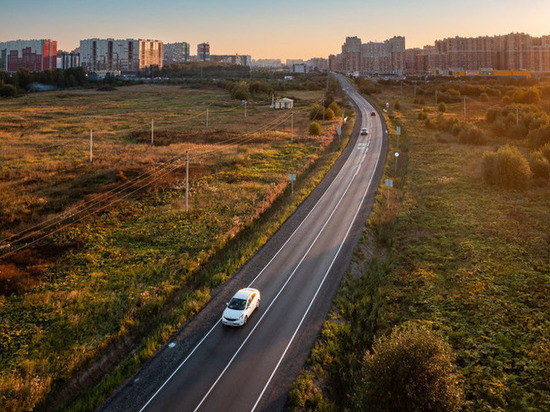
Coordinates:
x,y
211,367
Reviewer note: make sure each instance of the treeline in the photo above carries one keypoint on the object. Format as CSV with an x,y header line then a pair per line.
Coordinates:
x,y
264,88
200,70
21,80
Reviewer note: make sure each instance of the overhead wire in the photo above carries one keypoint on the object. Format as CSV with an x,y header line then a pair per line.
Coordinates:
x,y
115,191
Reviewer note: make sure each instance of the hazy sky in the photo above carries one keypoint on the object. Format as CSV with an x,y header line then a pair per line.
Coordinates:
x,y
269,29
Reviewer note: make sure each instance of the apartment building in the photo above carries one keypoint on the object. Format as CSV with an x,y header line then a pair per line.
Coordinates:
x,y
120,56
203,52
387,57
33,55
514,51
176,53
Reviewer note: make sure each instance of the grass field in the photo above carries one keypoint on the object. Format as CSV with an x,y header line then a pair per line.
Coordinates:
x,y
100,277
453,252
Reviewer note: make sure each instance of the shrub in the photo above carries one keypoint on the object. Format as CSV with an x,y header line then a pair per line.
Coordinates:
x,y
411,370
316,112
506,168
329,114
539,165
507,100
471,135
335,108
397,105
314,129
484,97
539,137
8,90
442,107
545,150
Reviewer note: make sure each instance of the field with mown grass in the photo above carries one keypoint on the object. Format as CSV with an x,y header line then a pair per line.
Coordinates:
x,y
453,251
100,259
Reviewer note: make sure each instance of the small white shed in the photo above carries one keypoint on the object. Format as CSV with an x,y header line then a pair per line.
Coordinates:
x,y
284,103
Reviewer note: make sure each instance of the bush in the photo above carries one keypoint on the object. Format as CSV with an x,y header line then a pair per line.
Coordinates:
x,y
471,135
316,112
411,370
335,108
539,137
397,105
314,129
545,150
484,97
506,168
8,90
442,107
539,165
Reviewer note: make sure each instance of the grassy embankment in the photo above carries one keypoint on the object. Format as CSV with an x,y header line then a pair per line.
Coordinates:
x,y
127,277
451,251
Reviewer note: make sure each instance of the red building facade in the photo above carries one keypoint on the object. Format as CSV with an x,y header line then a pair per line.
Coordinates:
x,y
34,55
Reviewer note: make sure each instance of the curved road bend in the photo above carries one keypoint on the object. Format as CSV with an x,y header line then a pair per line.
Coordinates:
x,y
251,368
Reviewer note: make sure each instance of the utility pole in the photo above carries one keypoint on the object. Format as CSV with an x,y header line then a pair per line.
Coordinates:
x,y
291,125
152,132
517,116
91,144
207,117
464,106
186,180
436,97
245,108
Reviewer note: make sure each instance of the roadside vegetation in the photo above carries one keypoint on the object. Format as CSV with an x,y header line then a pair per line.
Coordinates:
x,y
99,262
449,285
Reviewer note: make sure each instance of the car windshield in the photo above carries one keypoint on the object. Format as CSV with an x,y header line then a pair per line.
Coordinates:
x,y
237,304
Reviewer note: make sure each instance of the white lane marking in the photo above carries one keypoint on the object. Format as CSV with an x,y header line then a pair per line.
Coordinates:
x,y
256,278
320,285
281,291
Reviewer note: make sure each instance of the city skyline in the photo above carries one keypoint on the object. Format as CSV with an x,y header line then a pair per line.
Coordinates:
x,y
283,30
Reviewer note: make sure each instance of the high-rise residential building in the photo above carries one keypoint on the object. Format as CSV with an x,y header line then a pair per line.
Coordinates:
x,y
34,55
176,53
203,52
241,60
387,57
66,60
120,56
351,54
514,51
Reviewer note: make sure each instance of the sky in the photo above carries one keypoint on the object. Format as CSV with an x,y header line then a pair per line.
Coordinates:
x,y
283,29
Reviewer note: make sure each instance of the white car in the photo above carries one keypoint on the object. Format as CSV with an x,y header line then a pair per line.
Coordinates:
x,y
241,306
364,131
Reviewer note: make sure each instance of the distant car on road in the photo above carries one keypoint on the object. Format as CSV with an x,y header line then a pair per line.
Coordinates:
x,y
373,113
364,131
241,306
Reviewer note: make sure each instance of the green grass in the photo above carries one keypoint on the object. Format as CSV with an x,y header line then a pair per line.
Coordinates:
x,y
470,259
138,270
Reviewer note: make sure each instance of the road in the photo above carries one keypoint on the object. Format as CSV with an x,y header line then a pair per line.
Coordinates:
x,y
250,368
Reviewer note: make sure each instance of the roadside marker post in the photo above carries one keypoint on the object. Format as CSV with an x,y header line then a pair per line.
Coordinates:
x,y
91,145
292,178
396,156
186,179
389,183
398,132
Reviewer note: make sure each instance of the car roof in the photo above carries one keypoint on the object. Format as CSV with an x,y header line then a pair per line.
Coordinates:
x,y
245,293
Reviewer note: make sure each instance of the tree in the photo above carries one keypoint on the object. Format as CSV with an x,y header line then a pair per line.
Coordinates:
x,y
411,370
314,129
329,114
442,107
397,105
